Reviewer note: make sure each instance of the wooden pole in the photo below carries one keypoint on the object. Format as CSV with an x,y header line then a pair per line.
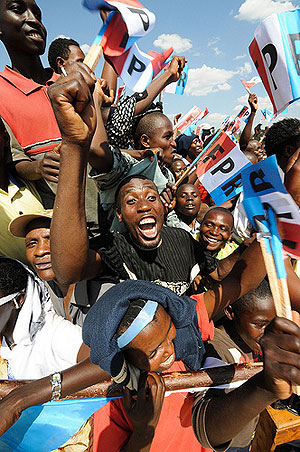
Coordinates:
x,y
180,381
93,56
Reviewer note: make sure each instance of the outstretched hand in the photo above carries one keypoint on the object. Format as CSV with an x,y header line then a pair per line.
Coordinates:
x,y
281,350
73,106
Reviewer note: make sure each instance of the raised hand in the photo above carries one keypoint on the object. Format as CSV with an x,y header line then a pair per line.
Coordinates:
x,y
176,66
253,102
71,99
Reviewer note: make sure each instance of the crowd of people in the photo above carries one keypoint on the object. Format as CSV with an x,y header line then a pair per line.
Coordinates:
x,y
109,269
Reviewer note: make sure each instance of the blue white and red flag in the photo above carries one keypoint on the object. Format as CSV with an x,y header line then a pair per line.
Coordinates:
x,y
127,22
275,53
136,68
219,168
263,186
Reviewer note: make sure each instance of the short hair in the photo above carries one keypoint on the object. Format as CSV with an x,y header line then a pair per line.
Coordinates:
x,y
281,133
132,312
13,276
60,48
147,124
252,299
219,209
184,185
124,182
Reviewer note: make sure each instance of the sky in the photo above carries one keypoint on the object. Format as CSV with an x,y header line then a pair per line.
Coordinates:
x,y
214,36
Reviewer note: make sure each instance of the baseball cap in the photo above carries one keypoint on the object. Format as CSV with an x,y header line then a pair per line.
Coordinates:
x,y
17,227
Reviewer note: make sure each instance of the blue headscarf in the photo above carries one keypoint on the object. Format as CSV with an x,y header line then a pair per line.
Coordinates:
x,y
183,143
102,321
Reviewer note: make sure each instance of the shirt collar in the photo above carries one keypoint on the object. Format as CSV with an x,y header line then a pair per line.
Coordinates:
x,y
24,84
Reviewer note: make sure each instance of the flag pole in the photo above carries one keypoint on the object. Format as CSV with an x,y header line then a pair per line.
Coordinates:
x,y
271,248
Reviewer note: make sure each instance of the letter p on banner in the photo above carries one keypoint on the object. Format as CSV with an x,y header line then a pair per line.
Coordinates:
x,y
263,186
275,52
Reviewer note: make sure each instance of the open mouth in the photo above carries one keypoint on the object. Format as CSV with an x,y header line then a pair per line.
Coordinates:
x,y
37,36
212,240
148,228
43,265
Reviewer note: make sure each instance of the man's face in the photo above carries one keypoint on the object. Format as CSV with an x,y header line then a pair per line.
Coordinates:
x,y
188,200
250,325
37,243
21,26
216,229
195,148
141,211
163,138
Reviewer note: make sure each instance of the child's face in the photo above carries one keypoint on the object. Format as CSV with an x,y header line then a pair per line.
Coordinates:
x,y
178,168
250,325
188,200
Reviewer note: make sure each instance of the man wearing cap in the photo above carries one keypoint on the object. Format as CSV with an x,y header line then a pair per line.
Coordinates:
x,y
70,301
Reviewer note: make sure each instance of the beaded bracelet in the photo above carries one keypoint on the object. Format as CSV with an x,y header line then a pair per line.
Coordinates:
x,y
55,380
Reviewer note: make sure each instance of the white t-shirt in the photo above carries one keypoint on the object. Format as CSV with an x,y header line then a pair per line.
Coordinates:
x,y
54,348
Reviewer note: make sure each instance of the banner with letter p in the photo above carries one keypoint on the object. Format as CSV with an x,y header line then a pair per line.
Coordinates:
x,y
275,52
263,181
219,168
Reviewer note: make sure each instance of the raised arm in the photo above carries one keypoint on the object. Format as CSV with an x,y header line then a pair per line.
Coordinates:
x,y
246,133
75,113
246,275
172,74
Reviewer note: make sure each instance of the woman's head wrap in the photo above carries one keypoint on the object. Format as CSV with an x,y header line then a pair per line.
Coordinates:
x,y
102,321
183,143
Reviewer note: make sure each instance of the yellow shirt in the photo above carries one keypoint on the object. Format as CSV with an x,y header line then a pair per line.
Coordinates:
x,y
18,200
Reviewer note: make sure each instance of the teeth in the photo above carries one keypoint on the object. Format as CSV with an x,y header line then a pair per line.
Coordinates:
x,y
147,221
34,35
212,240
169,360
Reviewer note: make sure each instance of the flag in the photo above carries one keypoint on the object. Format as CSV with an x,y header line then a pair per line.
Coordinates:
x,y
244,114
121,90
127,22
263,180
179,86
225,122
267,115
136,68
189,118
275,53
46,427
252,82
219,168
191,129
233,127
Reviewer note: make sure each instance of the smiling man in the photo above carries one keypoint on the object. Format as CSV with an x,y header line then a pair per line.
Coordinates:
x,y
216,229
69,301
